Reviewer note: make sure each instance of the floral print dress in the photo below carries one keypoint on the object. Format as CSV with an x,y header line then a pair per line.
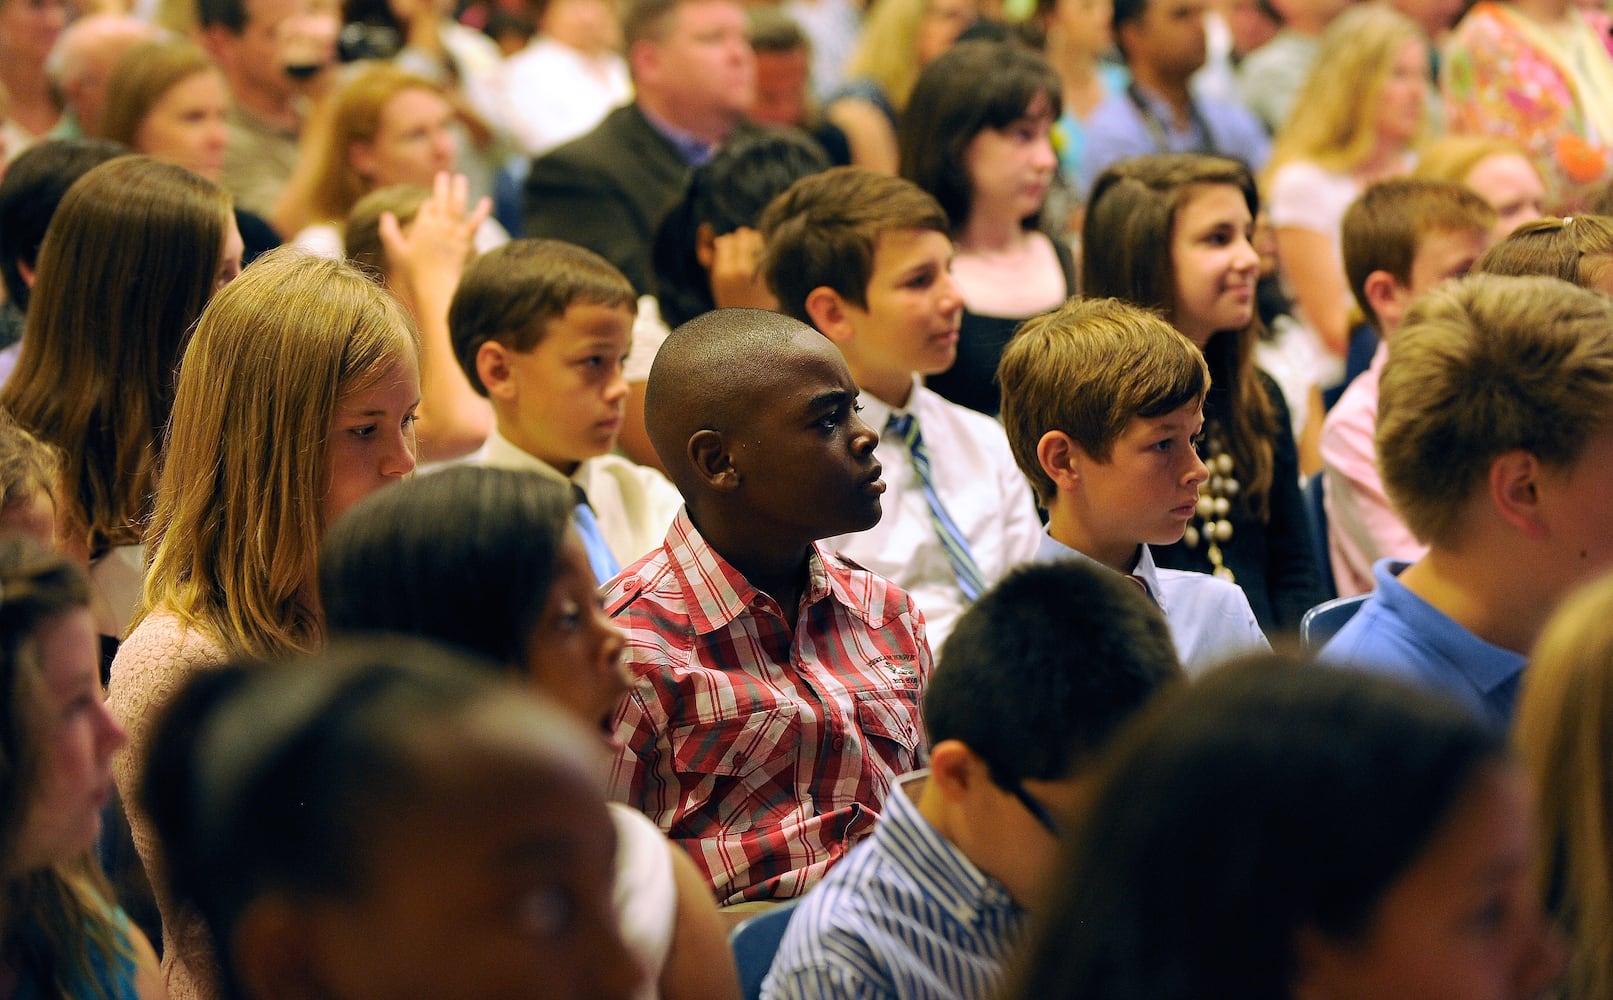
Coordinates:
x,y
1549,91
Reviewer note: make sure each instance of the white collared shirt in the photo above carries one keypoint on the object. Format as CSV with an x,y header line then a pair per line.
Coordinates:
x,y
980,487
634,503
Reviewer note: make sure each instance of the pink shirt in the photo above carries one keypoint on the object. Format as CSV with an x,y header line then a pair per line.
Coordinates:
x,y
1362,527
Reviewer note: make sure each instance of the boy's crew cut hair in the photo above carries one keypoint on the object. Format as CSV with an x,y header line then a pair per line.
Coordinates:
x,y
1384,227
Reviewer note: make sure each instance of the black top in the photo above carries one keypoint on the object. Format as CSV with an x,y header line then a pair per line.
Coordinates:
x,y
972,379
257,236
1271,560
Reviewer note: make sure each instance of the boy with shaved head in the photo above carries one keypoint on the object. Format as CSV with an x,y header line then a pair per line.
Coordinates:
x,y
775,687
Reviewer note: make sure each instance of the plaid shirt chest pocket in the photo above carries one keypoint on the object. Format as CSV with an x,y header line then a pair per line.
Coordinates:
x,y
889,721
738,770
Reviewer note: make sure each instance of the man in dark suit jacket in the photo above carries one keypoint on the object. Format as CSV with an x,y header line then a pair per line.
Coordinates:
x,y
695,77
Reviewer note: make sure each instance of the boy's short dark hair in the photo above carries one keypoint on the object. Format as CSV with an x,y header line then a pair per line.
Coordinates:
x,y
1044,668
1383,228
772,30
1087,368
511,293
823,231
33,186
228,14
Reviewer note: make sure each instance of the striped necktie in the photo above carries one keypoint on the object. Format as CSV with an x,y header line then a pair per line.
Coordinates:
x,y
957,547
599,554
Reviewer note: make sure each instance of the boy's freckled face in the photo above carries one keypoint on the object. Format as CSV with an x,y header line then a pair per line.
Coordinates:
x,y
565,396
1147,490
805,459
914,308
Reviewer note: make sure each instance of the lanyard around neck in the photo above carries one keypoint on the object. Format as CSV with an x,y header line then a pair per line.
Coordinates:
x,y
1156,127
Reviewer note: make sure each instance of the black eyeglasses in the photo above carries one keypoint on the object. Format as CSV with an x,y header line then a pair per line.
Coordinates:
x,y
1038,811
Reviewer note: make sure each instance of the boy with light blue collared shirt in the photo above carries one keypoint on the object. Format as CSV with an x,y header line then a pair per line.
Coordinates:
x,y
1102,402
541,329
864,258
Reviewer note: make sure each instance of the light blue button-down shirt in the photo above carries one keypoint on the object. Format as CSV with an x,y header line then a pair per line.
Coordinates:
x,y
1210,618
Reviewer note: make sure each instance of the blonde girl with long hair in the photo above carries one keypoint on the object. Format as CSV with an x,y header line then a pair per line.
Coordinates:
x,y
382,126
295,399
899,38
1358,119
1563,735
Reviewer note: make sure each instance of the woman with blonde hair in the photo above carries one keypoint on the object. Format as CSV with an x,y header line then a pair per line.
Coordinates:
x,y
168,100
1539,73
1358,119
131,257
382,126
1563,735
295,399
899,38
1497,170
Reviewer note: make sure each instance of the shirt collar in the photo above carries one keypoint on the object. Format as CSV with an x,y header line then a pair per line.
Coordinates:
x,y
1487,665
942,871
1052,550
876,413
718,593
500,452
691,149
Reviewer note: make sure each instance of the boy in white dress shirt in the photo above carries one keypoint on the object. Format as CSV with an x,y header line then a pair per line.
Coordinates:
x,y
863,257
1103,404
541,328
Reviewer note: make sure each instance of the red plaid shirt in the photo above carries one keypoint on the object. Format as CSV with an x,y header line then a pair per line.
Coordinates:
x,y
765,754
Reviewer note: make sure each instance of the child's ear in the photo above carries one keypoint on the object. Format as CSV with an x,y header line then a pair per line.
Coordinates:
x,y
709,453
493,362
705,245
1514,490
361,158
830,314
274,951
1061,458
1388,298
955,770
